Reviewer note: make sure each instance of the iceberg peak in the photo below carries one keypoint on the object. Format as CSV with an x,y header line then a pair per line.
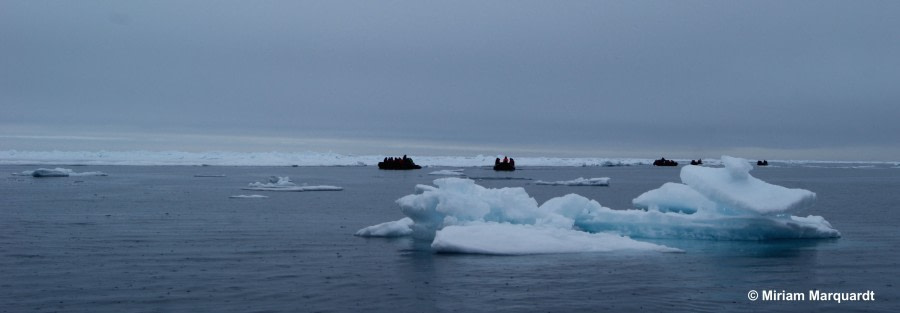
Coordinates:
x,y
738,168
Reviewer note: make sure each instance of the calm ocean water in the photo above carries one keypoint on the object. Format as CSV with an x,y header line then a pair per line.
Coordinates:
x,y
158,239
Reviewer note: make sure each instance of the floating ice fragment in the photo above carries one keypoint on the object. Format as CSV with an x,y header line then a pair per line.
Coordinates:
x,y
456,172
57,172
247,196
397,228
284,184
580,181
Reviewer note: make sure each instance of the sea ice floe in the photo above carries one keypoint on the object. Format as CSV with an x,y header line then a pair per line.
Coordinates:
x,y
580,181
284,184
713,203
57,172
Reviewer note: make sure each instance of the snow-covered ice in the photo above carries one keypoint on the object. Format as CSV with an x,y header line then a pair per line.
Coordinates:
x,y
248,196
456,172
713,203
580,181
284,184
57,172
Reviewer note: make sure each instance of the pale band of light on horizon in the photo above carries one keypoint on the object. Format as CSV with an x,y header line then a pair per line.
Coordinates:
x,y
811,80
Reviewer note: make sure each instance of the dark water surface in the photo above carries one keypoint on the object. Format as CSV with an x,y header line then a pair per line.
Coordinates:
x,y
158,239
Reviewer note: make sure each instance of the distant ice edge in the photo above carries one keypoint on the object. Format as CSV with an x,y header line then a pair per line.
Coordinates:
x,y
459,216
229,158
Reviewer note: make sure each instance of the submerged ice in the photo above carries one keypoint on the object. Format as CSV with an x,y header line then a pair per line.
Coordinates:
x,y
727,203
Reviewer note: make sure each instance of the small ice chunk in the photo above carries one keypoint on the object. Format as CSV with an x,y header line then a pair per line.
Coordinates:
x,y
456,172
284,184
398,228
296,188
45,172
59,172
509,239
580,181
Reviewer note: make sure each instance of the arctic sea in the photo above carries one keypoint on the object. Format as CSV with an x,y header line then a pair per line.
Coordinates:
x,y
159,239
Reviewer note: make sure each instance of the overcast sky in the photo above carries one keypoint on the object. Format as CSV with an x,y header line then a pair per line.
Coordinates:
x,y
759,79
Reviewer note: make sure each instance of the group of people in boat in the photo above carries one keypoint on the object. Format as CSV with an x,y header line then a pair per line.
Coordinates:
x,y
508,164
392,163
406,163
664,162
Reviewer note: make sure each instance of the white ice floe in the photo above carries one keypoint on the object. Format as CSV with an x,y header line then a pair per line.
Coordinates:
x,y
284,184
580,181
388,229
714,203
248,196
57,172
456,172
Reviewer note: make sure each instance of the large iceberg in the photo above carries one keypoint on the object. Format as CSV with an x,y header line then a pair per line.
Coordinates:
x,y
459,216
727,203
